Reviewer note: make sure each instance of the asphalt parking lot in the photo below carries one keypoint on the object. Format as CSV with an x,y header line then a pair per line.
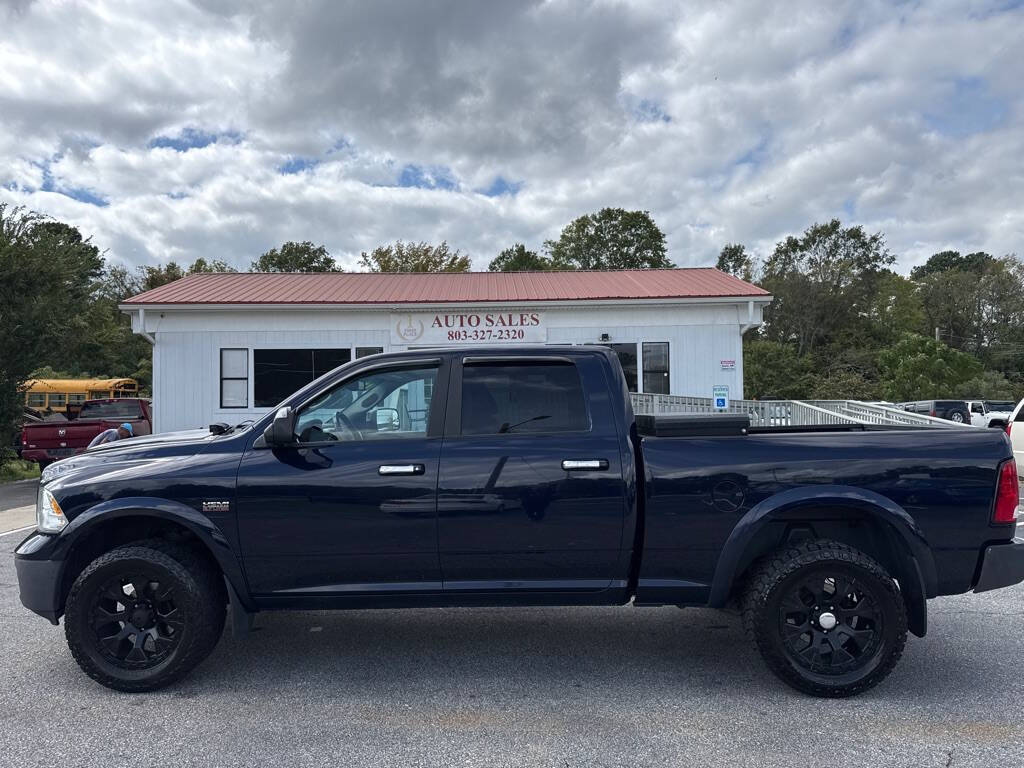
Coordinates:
x,y
515,687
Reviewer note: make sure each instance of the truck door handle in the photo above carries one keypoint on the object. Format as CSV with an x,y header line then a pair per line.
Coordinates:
x,y
401,469
576,465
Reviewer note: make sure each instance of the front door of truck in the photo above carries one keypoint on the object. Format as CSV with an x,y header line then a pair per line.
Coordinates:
x,y
531,494
350,509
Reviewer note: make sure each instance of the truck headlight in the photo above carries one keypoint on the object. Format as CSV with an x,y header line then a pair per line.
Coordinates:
x,y
49,516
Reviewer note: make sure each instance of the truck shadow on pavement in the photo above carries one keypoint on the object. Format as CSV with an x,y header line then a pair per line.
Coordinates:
x,y
520,651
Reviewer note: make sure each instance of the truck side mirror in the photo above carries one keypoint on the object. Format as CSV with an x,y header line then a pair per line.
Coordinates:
x,y
387,419
282,429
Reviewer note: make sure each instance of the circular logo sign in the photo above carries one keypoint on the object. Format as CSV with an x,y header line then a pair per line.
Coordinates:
x,y
409,329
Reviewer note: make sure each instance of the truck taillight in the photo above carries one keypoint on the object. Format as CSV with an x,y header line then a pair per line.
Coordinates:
x,y
932,414
1009,426
1007,494
24,437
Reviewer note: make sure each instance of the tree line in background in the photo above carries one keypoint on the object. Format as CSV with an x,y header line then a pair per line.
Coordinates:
x,y
843,324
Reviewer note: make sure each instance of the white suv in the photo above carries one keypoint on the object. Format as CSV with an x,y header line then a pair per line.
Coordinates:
x,y
990,413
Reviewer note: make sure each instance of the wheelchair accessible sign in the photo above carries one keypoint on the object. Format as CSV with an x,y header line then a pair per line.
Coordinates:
x,y
720,394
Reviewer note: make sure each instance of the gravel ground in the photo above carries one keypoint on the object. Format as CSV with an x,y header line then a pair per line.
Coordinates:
x,y
516,687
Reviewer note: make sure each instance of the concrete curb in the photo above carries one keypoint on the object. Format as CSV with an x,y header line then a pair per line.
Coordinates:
x,y
19,517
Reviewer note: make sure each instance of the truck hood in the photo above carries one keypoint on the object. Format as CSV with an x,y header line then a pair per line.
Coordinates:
x,y
136,450
184,437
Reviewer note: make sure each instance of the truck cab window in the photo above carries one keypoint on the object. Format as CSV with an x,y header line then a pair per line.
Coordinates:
x,y
510,398
381,404
108,409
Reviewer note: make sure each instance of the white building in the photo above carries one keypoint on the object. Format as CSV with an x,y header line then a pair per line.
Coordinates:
x,y
228,347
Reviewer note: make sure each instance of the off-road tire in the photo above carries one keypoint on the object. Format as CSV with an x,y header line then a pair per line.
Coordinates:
x,y
198,592
781,571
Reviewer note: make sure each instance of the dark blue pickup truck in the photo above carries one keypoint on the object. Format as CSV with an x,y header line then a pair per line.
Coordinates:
x,y
517,477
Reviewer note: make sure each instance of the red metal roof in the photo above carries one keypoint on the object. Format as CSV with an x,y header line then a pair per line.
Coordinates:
x,y
436,288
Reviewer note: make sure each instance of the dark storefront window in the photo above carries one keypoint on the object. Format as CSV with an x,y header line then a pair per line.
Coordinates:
x,y
277,373
656,379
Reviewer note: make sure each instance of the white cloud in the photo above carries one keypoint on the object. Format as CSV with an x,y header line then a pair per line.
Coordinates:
x,y
189,130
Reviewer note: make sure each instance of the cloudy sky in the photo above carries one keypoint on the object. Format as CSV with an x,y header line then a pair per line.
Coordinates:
x,y
175,130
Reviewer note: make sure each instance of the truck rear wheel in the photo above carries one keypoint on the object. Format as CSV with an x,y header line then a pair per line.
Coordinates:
x,y
143,615
827,619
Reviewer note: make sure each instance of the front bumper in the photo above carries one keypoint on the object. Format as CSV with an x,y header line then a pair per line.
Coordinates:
x,y
1002,565
38,580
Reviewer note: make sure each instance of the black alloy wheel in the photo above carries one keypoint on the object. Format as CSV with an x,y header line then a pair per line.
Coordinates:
x,y
830,624
827,619
143,615
136,621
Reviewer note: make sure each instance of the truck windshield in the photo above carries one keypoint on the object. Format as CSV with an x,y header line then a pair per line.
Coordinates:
x,y
112,409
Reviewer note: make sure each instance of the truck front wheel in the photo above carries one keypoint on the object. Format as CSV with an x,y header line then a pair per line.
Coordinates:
x,y
827,619
143,615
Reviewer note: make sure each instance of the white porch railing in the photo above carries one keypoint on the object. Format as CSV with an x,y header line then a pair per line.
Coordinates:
x,y
790,413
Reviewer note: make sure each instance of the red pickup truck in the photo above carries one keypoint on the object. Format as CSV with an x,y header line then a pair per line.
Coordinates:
x,y
46,441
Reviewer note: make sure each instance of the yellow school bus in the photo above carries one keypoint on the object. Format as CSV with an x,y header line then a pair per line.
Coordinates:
x,y
68,394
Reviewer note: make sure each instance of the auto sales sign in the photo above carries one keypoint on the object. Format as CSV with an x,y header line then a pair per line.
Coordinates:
x,y
468,327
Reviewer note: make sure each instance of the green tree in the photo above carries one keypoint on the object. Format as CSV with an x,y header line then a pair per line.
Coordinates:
x,y
918,367
519,259
976,263
49,372
103,344
414,257
846,383
119,283
991,385
773,370
977,304
1000,331
735,260
612,238
154,277
201,266
822,283
47,276
842,371
894,307
296,257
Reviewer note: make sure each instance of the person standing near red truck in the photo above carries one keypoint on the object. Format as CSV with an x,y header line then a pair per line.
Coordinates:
x,y
47,441
112,434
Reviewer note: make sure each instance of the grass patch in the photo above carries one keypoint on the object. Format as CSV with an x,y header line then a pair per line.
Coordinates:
x,y
16,469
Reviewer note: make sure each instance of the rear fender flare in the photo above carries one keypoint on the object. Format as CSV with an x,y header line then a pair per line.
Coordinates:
x,y
200,525
920,567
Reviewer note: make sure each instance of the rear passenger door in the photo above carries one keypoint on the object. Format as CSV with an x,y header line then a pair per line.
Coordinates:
x,y
531,494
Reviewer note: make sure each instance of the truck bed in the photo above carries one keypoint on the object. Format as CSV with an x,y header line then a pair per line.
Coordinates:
x,y
698,488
